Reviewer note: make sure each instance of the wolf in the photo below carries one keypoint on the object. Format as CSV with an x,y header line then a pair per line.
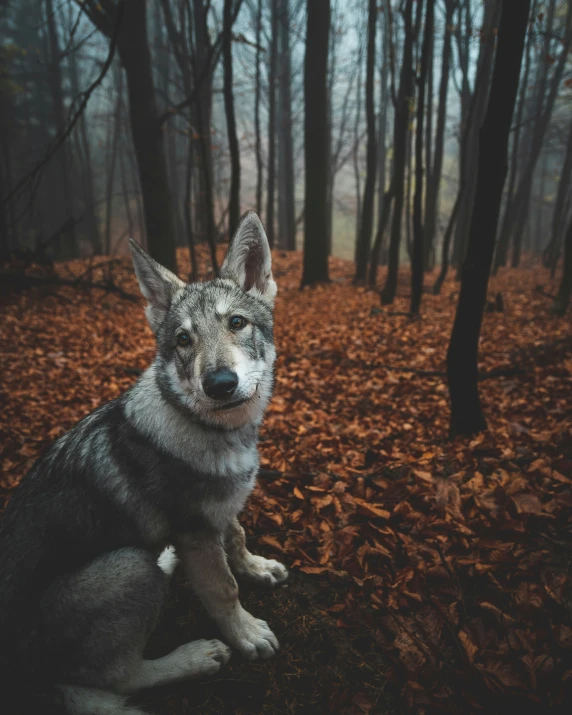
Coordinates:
x,y
154,478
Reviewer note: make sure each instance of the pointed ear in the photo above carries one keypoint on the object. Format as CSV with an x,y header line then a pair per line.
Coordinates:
x,y
157,284
248,261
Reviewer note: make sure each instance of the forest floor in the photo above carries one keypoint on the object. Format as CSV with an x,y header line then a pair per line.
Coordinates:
x,y
427,574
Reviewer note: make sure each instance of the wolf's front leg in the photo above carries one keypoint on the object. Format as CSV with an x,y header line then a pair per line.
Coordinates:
x,y
248,566
205,565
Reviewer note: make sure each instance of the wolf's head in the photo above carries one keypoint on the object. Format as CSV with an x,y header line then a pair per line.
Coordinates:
x,y
215,347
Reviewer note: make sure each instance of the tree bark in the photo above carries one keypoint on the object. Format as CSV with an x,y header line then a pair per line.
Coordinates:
x,y
400,129
418,259
550,253
257,133
315,142
272,71
147,136
286,210
504,235
434,178
470,160
366,223
462,357
521,203
112,159
203,73
234,198
56,88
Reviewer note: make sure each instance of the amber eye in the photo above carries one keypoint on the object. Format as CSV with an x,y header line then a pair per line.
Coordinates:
x,y
184,340
237,322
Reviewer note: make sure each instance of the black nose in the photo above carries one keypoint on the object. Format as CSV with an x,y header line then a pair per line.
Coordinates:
x,y
220,383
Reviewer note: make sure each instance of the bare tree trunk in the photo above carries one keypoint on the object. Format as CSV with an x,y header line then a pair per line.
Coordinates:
x,y
486,54
286,210
381,141
234,198
259,166
147,136
125,191
462,357
504,234
315,142
563,296
434,178
56,88
418,261
357,174
427,252
272,71
366,223
550,253
204,205
114,145
137,191
524,190
187,212
401,123
408,194
85,154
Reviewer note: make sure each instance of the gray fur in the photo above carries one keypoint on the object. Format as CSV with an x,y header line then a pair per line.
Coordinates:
x,y
88,540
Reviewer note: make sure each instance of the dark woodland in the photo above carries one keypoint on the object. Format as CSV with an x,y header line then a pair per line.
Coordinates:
x,y
411,162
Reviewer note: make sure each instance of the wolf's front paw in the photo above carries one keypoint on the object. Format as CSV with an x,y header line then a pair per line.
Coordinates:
x,y
264,571
204,657
250,636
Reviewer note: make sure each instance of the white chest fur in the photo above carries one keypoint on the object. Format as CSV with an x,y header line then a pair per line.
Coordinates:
x,y
228,455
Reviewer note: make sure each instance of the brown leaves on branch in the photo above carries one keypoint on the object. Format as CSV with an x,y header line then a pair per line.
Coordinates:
x,y
454,554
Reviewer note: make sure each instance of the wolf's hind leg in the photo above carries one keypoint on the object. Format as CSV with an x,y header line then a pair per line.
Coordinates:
x,y
248,566
98,619
192,660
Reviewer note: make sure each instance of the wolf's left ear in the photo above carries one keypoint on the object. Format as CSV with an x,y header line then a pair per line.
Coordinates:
x,y
157,284
248,262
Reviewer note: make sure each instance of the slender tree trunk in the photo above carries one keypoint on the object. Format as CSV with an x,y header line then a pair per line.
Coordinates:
x,y
234,198
550,253
286,210
125,191
434,178
85,154
401,123
418,261
56,87
356,146
114,146
504,234
462,357
315,142
408,194
563,296
366,223
272,72
259,166
381,145
427,252
486,54
187,212
148,139
517,220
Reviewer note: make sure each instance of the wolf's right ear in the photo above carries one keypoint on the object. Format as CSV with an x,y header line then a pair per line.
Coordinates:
x,y
157,284
248,261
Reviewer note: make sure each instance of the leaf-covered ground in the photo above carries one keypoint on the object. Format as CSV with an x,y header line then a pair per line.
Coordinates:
x,y
428,574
